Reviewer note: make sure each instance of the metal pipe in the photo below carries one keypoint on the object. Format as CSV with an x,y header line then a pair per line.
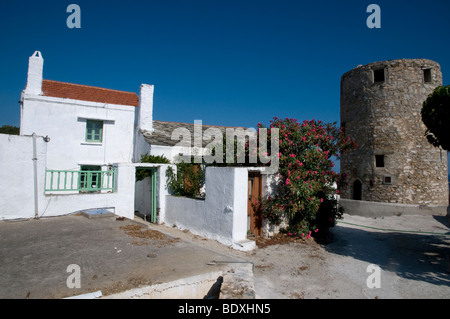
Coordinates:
x,y
36,204
215,262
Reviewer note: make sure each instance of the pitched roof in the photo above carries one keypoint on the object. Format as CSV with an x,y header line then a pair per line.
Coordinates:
x,y
88,93
163,132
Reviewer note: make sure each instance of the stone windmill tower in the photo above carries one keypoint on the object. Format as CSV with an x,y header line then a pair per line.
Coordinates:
x,y
380,110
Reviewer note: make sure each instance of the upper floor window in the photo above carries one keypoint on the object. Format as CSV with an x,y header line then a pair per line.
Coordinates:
x,y
94,131
379,160
378,76
426,75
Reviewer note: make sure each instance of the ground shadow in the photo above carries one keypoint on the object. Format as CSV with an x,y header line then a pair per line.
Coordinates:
x,y
414,256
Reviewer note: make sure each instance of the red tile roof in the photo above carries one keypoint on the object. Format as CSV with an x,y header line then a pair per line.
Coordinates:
x,y
88,93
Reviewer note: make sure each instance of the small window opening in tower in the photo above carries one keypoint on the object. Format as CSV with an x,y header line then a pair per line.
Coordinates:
x,y
378,76
387,180
379,160
427,75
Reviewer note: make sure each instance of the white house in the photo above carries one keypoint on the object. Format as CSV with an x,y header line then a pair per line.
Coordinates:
x,y
88,127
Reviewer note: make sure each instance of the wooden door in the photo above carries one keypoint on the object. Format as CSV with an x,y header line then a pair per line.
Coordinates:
x,y
254,194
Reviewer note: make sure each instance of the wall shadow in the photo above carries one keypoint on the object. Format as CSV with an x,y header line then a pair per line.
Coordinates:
x,y
411,256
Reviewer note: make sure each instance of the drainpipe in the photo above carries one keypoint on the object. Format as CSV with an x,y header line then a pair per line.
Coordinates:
x,y
36,207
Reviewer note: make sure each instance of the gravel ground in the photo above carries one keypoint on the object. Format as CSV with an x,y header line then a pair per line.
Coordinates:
x,y
412,260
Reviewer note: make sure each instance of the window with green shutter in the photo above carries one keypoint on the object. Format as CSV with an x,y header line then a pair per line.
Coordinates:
x,y
94,131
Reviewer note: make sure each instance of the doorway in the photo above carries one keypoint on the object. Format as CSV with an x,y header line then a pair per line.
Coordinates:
x,y
357,190
90,179
146,195
254,218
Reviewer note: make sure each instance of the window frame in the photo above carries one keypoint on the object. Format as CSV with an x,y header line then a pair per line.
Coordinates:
x,y
91,127
427,75
387,180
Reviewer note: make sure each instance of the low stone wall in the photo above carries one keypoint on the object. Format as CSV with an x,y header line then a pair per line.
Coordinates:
x,y
195,287
233,281
376,209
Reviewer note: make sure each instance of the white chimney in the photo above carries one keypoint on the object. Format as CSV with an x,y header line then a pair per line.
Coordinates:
x,y
146,108
35,70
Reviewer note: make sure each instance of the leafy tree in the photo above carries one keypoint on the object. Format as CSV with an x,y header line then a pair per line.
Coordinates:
x,y
436,117
8,129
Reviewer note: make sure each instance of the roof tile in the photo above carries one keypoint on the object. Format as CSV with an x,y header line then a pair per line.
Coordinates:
x,y
88,93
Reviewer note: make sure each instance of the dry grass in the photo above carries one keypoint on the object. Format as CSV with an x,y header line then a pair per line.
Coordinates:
x,y
278,239
137,231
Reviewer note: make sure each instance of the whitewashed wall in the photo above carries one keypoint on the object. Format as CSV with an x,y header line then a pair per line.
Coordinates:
x,y
270,187
222,216
17,175
18,197
120,202
142,198
170,152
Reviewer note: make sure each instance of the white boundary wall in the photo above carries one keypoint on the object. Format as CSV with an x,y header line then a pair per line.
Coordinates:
x,y
17,175
222,216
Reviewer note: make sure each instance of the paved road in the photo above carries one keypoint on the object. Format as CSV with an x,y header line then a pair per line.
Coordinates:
x,y
34,256
412,264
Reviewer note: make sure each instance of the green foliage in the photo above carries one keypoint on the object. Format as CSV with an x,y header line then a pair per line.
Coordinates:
x,y
436,117
141,174
187,181
147,158
8,129
307,183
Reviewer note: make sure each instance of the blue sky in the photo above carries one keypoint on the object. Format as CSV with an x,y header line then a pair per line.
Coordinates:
x,y
233,63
